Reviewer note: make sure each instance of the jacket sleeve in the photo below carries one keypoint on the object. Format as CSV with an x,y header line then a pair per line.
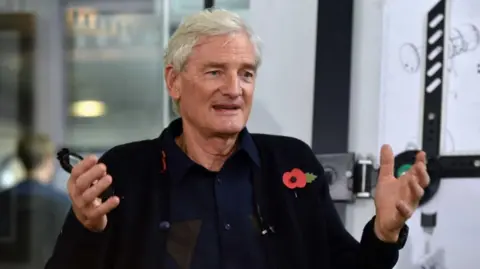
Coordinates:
x,y
346,252
79,248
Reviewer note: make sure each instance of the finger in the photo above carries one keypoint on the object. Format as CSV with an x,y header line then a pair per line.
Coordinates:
x,y
86,179
387,162
421,157
103,209
417,191
423,178
98,188
405,210
83,166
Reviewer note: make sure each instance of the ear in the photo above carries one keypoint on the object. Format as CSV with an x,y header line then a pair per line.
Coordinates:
x,y
172,82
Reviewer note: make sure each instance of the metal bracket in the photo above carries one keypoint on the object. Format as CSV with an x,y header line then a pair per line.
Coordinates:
x,y
350,177
365,177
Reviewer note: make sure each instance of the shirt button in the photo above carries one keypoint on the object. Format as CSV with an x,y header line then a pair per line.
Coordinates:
x,y
164,225
219,180
228,227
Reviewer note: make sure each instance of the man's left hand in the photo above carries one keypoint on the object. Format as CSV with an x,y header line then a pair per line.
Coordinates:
x,y
397,198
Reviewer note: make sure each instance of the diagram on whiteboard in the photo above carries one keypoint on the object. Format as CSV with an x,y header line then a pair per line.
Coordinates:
x,y
402,75
463,39
444,231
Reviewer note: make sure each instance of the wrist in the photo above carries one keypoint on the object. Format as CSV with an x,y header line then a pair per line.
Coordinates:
x,y
385,235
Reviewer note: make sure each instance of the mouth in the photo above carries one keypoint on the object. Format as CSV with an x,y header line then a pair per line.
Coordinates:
x,y
226,108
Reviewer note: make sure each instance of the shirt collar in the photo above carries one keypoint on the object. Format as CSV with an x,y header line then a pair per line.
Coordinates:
x,y
179,163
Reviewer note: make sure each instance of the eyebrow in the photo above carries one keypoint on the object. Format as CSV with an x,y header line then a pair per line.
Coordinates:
x,y
221,65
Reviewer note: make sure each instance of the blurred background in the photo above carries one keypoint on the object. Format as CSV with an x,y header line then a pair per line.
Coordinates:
x,y
342,76
93,70
86,75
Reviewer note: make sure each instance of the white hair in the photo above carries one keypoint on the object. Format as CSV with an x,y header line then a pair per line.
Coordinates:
x,y
209,22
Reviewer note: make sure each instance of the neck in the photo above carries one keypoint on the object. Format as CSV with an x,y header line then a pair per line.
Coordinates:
x,y
40,176
209,151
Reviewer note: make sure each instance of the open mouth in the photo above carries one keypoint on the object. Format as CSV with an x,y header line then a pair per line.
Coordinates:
x,y
226,108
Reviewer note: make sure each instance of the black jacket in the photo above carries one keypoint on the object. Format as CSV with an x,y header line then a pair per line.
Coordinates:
x,y
307,230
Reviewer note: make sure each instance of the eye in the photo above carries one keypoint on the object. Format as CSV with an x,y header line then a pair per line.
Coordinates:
x,y
248,74
214,73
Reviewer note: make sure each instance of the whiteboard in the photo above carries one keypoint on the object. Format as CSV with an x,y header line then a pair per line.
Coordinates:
x,y
454,241
402,75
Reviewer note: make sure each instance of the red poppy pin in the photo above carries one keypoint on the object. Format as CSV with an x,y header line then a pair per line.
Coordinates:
x,y
297,178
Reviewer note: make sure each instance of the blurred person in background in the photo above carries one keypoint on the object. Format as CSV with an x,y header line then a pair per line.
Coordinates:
x,y
37,209
207,194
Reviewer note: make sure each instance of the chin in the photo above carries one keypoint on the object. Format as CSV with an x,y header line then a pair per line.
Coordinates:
x,y
229,126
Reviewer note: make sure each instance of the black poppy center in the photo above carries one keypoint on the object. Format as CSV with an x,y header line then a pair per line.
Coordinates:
x,y
293,179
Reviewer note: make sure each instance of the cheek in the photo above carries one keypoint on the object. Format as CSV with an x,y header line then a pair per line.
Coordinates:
x,y
248,94
197,97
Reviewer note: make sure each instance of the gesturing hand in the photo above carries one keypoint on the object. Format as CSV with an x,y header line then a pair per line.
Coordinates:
x,y
397,199
87,181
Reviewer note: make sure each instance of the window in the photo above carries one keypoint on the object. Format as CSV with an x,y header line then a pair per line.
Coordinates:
x,y
115,74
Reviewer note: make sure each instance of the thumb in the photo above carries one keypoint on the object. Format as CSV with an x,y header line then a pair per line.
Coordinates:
x,y
387,162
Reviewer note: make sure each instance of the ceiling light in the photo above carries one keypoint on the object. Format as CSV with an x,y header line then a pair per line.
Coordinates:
x,y
88,109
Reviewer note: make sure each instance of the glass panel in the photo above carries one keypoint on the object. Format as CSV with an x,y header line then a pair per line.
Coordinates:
x,y
239,6
9,127
16,94
115,79
15,91
234,5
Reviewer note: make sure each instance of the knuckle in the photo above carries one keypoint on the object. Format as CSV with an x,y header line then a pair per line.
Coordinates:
x,y
85,197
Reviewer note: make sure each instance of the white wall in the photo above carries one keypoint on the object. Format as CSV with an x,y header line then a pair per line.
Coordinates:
x,y
284,92
365,96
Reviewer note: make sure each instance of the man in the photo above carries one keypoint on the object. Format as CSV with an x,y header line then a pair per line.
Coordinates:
x,y
208,194
37,210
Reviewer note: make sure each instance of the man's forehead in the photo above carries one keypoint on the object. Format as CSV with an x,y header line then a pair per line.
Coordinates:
x,y
224,39
223,45
224,50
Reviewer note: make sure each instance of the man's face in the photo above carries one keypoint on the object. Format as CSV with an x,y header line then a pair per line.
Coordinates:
x,y
216,87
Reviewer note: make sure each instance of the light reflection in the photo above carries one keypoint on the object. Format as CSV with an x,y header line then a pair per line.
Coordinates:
x,y
88,109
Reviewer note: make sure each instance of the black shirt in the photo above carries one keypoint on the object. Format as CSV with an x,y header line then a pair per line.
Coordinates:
x,y
213,224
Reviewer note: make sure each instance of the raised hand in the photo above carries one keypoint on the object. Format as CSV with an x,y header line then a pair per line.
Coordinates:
x,y
88,180
397,198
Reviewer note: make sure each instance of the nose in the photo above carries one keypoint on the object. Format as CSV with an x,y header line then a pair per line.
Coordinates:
x,y
232,86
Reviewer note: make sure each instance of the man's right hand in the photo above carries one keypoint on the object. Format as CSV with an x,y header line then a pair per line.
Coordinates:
x,y
88,180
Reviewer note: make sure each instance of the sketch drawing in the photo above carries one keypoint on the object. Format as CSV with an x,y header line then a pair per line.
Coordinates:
x,y
410,58
448,142
463,39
